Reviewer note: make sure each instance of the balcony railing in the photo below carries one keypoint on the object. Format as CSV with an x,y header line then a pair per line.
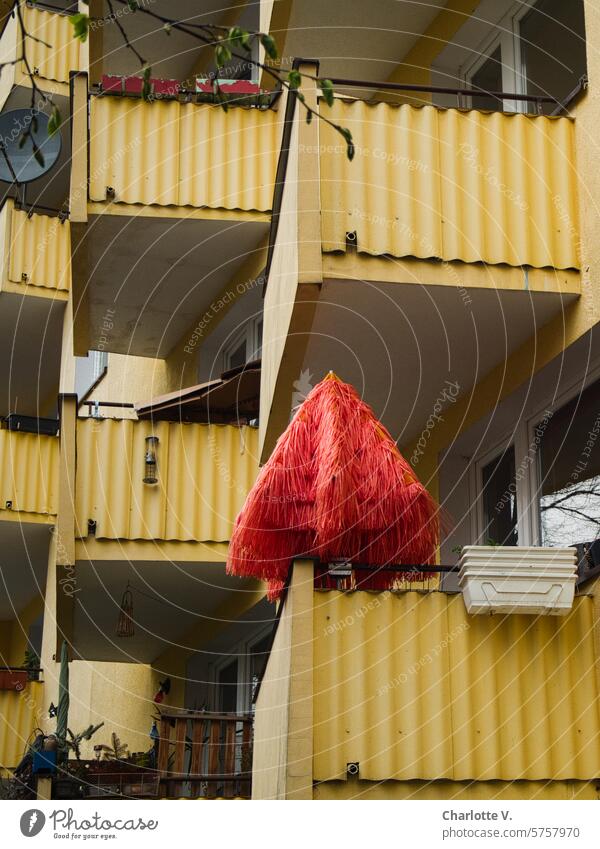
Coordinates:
x,y
37,252
205,754
204,473
169,153
28,473
52,51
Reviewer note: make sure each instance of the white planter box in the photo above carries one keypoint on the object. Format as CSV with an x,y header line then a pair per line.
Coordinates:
x,y
518,579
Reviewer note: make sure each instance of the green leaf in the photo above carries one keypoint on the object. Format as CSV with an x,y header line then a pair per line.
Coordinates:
x,y
38,156
309,115
222,54
220,97
54,121
269,44
81,25
146,87
133,5
294,79
326,87
347,135
167,28
239,38
34,123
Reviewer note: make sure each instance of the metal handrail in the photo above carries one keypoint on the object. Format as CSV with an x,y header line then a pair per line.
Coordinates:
x,y
433,89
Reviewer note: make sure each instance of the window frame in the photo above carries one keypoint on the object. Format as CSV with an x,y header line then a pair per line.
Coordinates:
x,y
241,652
535,477
480,461
248,334
506,35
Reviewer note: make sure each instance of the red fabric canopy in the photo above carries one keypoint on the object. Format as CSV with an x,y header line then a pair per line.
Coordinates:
x,y
335,487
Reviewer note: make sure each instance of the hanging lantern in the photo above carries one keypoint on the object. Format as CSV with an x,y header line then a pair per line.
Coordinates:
x,y
335,488
125,622
150,475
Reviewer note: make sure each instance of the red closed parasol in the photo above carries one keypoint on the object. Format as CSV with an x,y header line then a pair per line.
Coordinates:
x,y
335,488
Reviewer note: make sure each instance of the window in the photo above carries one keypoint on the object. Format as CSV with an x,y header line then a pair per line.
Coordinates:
x,y
569,472
245,346
227,687
552,48
259,653
536,49
236,676
499,495
236,355
489,78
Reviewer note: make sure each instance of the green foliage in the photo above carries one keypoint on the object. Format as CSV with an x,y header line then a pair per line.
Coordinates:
x,y
347,136
222,54
31,660
269,44
146,87
117,751
239,39
74,741
326,87
81,25
294,79
54,121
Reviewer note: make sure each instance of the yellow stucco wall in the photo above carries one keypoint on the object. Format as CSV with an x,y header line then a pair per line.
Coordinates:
x,y
14,633
129,380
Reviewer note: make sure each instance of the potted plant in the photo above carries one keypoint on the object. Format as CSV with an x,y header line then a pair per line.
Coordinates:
x,y
517,579
32,664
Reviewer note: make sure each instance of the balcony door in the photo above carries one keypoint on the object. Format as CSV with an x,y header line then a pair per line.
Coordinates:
x,y
535,48
236,676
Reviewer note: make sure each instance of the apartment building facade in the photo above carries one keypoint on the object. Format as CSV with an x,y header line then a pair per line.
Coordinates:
x,y
174,287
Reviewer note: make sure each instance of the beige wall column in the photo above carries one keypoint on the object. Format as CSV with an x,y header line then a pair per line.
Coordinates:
x,y
299,783
66,579
296,272
95,40
76,335
282,765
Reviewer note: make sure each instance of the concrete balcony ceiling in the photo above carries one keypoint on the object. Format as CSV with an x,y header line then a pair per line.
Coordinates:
x,y
399,344
182,595
352,39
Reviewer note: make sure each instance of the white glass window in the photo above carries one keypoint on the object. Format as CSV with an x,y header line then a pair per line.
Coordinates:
x,y
499,500
569,472
245,346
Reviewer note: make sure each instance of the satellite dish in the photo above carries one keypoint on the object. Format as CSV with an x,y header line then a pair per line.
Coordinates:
x,y
17,159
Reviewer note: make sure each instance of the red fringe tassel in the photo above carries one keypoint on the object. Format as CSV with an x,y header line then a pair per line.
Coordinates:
x,y
335,487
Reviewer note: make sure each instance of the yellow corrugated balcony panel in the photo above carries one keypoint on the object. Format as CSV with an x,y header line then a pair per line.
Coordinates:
x,y
19,717
204,474
57,52
183,154
451,184
28,473
413,688
38,250
52,52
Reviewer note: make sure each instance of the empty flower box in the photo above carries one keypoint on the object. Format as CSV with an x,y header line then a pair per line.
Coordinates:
x,y
518,579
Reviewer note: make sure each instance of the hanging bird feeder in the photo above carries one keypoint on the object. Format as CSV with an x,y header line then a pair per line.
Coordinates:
x,y
125,622
335,488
